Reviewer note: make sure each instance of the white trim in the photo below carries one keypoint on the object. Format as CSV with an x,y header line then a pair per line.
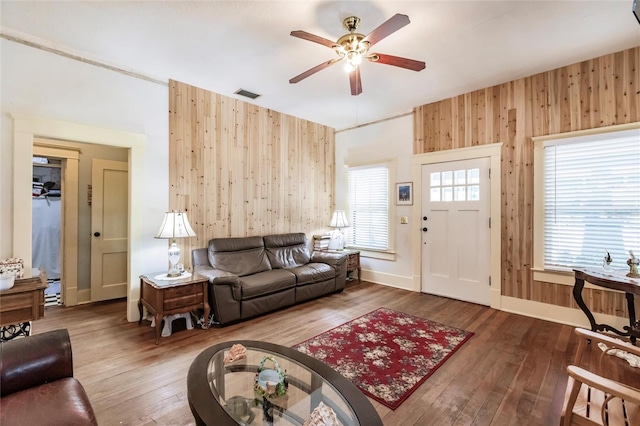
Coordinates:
x,y
391,165
559,314
494,152
24,129
382,255
390,280
381,120
84,296
598,130
539,273
76,55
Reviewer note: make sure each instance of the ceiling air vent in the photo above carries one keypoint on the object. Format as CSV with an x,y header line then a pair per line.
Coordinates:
x,y
246,93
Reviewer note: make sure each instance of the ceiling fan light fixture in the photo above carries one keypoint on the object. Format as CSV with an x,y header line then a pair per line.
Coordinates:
x,y
349,67
351,48
354,57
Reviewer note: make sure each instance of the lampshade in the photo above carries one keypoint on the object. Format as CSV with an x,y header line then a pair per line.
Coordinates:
x,y
175,225
338,219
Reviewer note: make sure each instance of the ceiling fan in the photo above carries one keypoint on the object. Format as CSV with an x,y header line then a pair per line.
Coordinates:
x,y
354,47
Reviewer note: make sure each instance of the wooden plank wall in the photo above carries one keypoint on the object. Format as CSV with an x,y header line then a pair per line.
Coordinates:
x,y
242,170
600,92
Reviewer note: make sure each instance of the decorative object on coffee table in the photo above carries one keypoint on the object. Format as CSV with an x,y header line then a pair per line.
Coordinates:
x,y
322,416
386,353
271,383
236,353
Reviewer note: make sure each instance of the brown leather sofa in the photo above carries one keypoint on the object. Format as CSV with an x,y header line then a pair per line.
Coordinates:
x,y
37,385
253,275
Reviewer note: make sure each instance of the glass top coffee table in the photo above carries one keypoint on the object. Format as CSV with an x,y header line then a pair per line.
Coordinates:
x,y
222,393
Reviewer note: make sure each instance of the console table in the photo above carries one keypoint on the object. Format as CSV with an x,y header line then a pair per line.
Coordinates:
x,y
615,281
24,301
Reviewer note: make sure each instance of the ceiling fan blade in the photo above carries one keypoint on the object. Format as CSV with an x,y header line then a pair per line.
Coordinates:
x,y
314,38
392,25
397,61
313,70
355,82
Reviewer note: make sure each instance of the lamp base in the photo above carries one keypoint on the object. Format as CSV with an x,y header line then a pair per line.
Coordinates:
x,y
173,274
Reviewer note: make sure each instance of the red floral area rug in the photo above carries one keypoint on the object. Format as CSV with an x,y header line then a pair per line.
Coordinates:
x,y
386,353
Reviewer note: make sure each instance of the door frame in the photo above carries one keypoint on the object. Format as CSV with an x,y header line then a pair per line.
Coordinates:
x,y
494,152
69,215
25,128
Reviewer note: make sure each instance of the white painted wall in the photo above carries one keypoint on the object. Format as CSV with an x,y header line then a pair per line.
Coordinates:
x,y
42,84
386,140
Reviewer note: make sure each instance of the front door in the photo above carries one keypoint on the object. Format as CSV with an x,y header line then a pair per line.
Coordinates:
x,y
109,225
455,230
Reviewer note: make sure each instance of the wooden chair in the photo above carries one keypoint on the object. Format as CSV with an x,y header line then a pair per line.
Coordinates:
x,y
592,399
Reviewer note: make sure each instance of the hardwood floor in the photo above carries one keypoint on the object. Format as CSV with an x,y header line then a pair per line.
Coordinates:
x,y
511,372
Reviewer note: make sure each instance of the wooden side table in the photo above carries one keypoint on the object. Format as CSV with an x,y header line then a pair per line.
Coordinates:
x,y
353,261
24,301
168,297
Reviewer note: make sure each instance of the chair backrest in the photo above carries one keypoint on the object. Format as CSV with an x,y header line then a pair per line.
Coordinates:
x,y
593,399
35,360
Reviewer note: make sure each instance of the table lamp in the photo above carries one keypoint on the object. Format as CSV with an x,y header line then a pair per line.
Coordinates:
x,y
339,220
175,225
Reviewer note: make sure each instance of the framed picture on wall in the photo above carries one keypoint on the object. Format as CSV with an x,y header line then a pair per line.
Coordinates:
x,y
404,194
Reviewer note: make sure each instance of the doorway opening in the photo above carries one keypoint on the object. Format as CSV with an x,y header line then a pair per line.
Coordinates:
x,y
46,234
69,242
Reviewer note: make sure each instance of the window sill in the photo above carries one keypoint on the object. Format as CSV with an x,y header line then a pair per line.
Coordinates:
x,y
382,255
555,277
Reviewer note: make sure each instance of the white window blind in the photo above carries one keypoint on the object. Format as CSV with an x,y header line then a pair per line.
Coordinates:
x,y
591,200
369,207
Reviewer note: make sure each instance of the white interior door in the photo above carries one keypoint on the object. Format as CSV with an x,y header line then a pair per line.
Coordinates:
x,y
109,224
456,249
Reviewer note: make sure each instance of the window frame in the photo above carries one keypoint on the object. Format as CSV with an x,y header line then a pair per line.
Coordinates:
x,y
539,271
389,253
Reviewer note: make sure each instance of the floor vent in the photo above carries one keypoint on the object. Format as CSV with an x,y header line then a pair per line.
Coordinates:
x,y
246,93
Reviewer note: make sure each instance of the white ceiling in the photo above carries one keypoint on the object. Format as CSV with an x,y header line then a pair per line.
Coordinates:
x,y
226,45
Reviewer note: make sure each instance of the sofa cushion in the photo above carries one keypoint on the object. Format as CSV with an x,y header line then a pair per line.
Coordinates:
x,y
61,402
287,250
266,282
239,256
312,273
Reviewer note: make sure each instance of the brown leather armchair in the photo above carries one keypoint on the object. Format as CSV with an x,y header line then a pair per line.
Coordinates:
x,y
37,386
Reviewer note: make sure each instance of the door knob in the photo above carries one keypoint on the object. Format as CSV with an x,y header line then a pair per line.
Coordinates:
x,y
424,218
424,229
96,234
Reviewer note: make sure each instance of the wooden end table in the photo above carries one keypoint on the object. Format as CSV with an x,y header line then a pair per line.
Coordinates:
x,y
176,296
24,301
353,261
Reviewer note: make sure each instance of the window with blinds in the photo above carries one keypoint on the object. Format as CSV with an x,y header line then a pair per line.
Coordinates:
x,y
368,207
591,200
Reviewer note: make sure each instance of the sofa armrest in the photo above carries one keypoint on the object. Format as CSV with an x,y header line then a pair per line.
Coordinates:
x,y
35,360
225,293
217,277
333,259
